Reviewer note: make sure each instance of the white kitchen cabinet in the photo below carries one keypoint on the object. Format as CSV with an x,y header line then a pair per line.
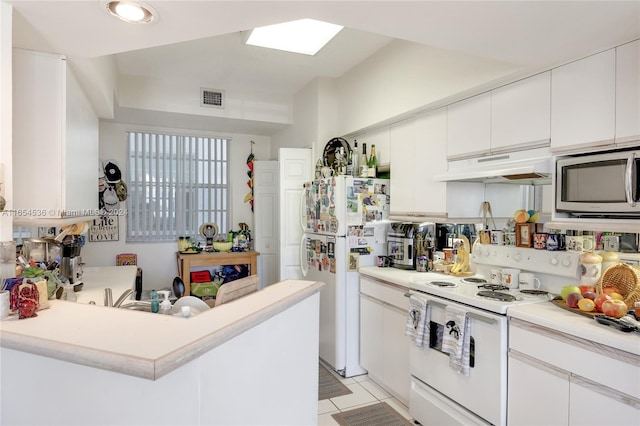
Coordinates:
x,y
371,326
583,103
418,154
628,92
532,385
384,349
567,377
55,140
404,163
521,114
469,127
431,159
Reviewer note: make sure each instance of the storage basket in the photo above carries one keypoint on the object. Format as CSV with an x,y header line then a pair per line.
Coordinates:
x,y
625,278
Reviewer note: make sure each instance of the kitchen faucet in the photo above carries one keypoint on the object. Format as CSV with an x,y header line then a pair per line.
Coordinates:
x,y
108,301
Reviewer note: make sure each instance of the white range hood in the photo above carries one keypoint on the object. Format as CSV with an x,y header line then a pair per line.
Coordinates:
x,y
531,167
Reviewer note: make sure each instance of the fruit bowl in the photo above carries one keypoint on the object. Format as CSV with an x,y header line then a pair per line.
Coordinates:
x,y
222,245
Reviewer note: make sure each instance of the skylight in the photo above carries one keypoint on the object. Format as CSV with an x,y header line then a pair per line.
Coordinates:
x,y
306,36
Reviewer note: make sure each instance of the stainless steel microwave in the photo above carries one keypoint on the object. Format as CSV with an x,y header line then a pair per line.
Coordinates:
x,y
602,184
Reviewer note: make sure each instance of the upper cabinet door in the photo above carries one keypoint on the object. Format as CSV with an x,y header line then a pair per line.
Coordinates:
x,y
628,92
55,141
402,142
583,102
469,127
521,114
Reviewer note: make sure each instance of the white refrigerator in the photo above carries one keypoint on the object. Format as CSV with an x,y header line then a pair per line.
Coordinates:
x,y
344,221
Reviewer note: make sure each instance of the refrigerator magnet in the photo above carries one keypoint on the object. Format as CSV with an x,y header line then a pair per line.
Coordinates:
x,y
353,262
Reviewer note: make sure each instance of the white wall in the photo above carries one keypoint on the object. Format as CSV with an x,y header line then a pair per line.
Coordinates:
x,y
399,78
158,259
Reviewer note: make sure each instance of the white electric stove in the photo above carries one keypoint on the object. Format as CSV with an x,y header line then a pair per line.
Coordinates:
x,y
440,395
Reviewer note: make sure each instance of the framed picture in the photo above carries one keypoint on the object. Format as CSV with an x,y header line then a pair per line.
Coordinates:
x,y
524,234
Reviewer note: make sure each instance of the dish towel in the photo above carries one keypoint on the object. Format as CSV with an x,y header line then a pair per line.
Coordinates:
x,y
456,339
417,321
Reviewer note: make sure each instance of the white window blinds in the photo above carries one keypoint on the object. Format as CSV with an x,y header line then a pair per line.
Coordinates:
x,y
175,184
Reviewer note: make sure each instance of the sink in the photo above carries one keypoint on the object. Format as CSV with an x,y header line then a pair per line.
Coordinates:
x,y
137,306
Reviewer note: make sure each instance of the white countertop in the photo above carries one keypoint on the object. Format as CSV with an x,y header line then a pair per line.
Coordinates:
x,y
550,316
545,314
139,343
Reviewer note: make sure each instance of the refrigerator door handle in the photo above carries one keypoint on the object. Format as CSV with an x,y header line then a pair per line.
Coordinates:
x,y
302,215
304,265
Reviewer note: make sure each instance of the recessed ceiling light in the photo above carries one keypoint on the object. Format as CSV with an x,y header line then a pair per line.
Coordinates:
x,y
306,36
131,11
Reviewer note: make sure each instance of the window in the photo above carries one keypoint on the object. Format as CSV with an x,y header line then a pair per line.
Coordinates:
x,y
175,184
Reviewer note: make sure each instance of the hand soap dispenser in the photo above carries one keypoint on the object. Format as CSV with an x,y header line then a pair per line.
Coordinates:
x,y
165,305
155,304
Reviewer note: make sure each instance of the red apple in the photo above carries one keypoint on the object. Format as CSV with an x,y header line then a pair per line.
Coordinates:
x,y
610,289
590,295
600,300
614,308
572,300
586,288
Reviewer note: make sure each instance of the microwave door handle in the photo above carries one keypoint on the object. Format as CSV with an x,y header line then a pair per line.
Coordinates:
x,y
628,183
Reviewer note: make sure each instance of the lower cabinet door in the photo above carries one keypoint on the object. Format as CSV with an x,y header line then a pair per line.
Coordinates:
x,y
537,393
371,337
594,404
396,349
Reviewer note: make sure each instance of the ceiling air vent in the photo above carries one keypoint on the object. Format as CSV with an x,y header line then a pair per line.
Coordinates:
x,y
212,98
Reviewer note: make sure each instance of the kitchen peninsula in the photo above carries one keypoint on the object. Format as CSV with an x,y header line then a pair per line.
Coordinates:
x,y
83,364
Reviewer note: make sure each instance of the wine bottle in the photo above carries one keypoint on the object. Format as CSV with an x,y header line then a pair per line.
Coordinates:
x,y
350,163
373,163
364,162
356,159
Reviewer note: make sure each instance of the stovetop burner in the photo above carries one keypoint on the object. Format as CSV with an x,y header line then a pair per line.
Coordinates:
x,y
496,295
534,292
494,287
442,283
472,280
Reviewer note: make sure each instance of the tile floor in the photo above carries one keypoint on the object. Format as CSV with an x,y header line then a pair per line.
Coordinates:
x,y
365,392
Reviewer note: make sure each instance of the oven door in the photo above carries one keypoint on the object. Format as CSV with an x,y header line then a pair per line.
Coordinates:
x,y
484,391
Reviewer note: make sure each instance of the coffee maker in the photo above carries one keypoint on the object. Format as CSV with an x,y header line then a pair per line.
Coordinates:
x,y
71,262
400,245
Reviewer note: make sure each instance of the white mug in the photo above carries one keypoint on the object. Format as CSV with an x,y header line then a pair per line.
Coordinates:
x,y
495,276
588,242
510,277
497,237
528,281
574,243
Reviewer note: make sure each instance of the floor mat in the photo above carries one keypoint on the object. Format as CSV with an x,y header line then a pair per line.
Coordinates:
x,y
380,414
329,386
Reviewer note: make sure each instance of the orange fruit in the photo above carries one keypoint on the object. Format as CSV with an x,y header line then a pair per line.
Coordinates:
x,y
586,305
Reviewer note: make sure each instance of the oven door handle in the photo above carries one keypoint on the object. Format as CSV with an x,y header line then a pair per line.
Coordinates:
x,y
469,314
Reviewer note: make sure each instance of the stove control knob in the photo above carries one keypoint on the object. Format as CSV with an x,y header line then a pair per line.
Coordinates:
x,y
554,261
566,262
486,252
517,257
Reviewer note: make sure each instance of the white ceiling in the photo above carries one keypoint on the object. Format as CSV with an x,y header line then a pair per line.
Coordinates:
x,y
201,40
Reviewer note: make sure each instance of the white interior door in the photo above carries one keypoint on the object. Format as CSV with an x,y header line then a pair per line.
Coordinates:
x,y
295,170
265,217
